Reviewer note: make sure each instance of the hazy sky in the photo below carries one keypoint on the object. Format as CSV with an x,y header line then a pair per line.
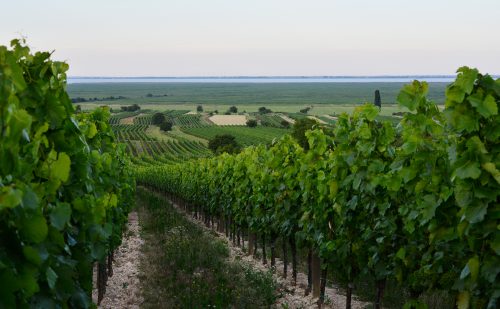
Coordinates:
x,y
259,37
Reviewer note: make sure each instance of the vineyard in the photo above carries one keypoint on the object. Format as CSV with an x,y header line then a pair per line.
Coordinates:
x,y
270,121
191,121
411,201
142,120
65,188
417,204
116,119
245,136
139,143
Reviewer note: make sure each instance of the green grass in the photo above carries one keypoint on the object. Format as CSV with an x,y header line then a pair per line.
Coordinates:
x,y
245,136
176,133
185,266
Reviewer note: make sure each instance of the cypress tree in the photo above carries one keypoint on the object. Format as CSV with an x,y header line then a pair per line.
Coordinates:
x,y
378,101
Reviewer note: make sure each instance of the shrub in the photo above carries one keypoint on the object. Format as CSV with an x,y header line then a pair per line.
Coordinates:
x,y
158,118
305,110
166,126
252,123
131,108
233,109
224,143
285,124
299,131
264,110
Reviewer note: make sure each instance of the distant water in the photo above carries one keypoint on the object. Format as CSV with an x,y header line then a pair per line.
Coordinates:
x,y
291,79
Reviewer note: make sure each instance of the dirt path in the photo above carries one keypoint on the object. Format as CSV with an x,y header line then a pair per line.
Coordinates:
x,y
123,288
317,119
291,296
290,120
330,117
128,120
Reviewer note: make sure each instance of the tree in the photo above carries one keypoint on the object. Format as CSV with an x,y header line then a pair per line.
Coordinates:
x,y
305,110
252,123
166,126
299,131
131,108
264,110
378,101
285,124
224,143
233,109
199,108
158,118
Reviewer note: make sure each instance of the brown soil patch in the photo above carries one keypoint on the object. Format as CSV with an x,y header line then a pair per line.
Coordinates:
x,y
229,120
128,120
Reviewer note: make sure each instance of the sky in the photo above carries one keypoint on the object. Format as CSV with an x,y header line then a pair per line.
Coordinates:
x,y
259,37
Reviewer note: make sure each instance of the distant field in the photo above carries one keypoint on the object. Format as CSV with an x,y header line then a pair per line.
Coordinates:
x,y
288,97
317,109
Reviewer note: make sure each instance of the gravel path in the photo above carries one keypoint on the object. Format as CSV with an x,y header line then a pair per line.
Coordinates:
x,y
123,288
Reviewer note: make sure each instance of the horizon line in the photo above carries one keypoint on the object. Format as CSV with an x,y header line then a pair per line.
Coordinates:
x,y
272,76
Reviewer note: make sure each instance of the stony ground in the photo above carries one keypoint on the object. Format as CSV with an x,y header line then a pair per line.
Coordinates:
x,y
123,288
292,296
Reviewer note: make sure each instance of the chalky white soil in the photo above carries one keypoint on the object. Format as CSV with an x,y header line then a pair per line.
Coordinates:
x,y
317,119
291,120
123,288
330,117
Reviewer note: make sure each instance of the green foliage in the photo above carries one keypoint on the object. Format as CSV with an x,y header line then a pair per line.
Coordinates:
x,y
472,107
199,108
158,119
378,101
65,188
207,278
264,110
305,110
417,203
224,143
251,123
233,109
131,108
244,135
166,126
299,130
